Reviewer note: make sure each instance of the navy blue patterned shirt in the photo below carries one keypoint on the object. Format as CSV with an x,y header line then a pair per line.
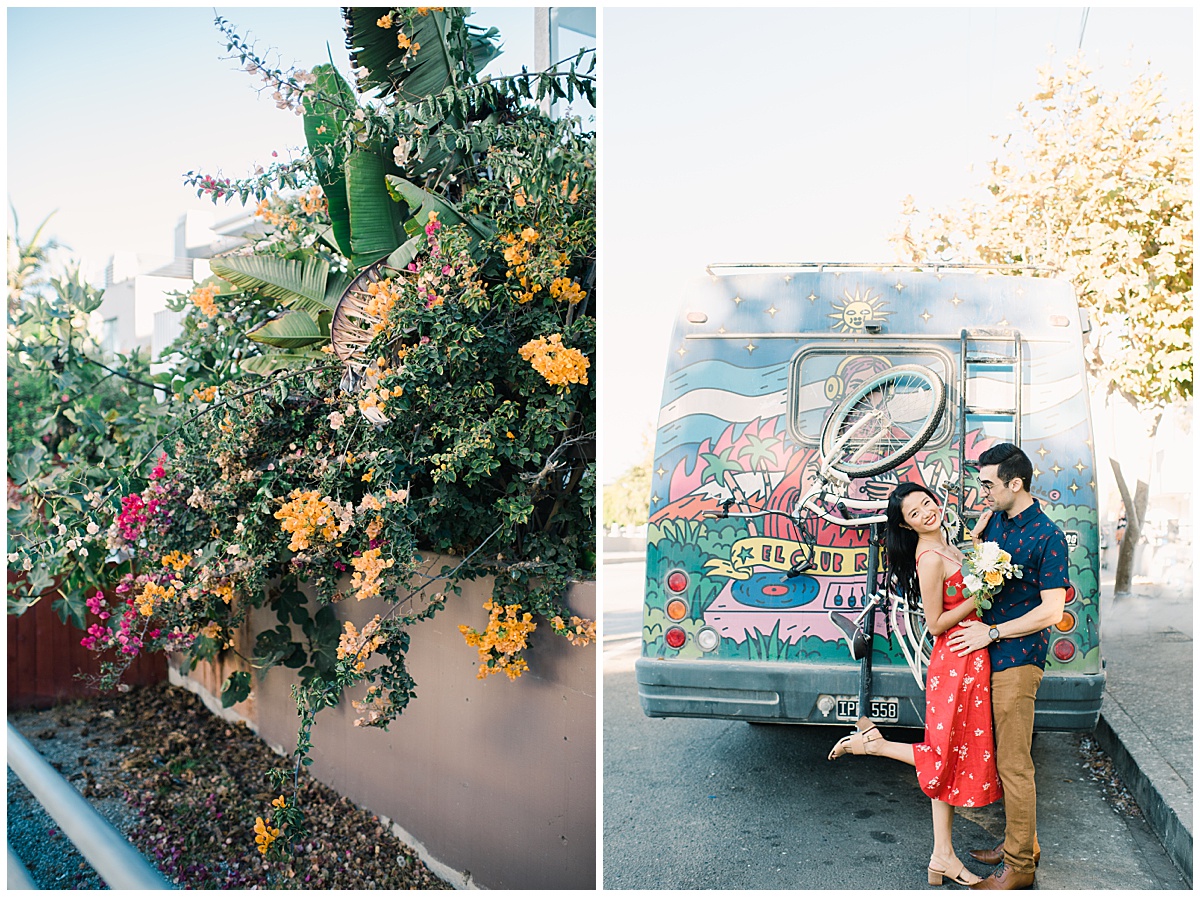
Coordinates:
x,y
1039,546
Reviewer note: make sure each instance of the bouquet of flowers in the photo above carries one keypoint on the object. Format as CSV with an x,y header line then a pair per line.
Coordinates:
x,y
985,568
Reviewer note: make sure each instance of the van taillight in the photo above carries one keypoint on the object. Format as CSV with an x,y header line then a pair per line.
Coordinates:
x,y
677,609
677,582
1064,650
1067,623
676,637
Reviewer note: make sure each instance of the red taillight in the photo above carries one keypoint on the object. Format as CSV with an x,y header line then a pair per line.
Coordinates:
x,y
677,582
676,637
1071,594
1064,650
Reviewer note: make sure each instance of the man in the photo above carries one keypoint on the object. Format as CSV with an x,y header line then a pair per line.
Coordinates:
x,y
1015,628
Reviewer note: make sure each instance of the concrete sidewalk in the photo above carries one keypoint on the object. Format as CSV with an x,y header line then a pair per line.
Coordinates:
x,y
1146,719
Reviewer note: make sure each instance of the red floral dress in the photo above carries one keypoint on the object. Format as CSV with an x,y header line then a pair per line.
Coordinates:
x,y
956,763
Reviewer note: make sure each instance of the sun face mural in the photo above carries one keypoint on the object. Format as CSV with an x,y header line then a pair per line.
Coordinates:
x,y
857,311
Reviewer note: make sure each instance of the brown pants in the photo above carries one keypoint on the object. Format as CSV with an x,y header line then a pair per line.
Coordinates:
x,y
1013,693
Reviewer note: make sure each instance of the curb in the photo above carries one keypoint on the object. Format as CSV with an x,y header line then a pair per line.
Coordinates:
x,y
1156,787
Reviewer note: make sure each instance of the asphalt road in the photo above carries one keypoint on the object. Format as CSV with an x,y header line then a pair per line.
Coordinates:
x,y
716,804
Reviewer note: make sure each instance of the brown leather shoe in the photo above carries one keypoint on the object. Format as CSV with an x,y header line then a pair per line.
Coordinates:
x,y
995,856
1006,879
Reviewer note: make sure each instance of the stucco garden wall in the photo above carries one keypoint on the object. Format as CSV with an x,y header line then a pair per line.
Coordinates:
x,y
493,781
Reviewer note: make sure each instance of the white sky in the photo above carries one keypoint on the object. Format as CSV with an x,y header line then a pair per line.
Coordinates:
x,y
109,107
791,135
726,134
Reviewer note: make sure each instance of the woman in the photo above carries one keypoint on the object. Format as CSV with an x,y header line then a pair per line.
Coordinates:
x,y
956,764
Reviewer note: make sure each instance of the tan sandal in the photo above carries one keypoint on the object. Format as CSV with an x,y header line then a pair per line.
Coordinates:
x,y
959,876
859,742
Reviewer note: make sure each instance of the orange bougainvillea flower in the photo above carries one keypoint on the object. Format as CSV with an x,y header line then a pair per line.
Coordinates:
x,y
559,365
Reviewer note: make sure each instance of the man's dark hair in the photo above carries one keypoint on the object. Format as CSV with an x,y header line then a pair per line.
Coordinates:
x,y
1010,462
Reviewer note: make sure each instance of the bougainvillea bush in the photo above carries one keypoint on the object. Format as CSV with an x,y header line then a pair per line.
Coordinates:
x,y
397,368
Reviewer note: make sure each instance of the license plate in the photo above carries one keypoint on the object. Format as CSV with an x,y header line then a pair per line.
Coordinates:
x,y
883,710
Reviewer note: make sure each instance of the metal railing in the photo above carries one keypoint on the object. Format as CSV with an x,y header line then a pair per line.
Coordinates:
x,y
111,855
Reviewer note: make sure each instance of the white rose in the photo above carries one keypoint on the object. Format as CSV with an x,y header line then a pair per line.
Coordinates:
x,y
987,556
973,583
92,528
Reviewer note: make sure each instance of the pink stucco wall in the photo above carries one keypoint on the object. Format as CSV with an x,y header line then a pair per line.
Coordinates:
x,y
493,781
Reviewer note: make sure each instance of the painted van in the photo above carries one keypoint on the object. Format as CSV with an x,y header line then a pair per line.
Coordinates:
x,y
759,357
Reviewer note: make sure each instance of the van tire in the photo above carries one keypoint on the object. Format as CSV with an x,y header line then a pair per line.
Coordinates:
x,y
910,446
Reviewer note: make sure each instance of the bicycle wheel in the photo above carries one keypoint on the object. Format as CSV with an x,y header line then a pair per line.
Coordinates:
x,y
885,421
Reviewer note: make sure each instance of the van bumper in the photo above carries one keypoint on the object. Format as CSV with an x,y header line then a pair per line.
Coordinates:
x,y
790,692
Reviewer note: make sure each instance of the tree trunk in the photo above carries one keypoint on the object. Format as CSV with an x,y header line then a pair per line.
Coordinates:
x,y
1135,515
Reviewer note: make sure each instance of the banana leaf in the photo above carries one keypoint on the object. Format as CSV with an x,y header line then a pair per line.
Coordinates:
x,y
421,202
337,285
292,330
296,284
376,220
431,69
404,254
323,123
271,362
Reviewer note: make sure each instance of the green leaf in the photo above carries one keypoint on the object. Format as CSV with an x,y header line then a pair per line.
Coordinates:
x,y
423,202
295,283
404,254
376,221
236,689
26,464
291,330
433,68
271,362
323,125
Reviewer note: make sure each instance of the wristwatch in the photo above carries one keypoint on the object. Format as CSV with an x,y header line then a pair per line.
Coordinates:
x,y
994,634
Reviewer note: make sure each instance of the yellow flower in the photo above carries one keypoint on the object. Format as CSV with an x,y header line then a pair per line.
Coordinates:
x,y
202,298
359,646
500,644
566,289
152,596
280,802
993,577
368,567
559,365
176,560
307,514
384,21
265,835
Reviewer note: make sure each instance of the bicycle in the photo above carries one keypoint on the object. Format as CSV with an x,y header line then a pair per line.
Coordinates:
x,y
877,427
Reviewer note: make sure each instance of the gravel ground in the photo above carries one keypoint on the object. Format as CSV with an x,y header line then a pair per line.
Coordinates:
x,y
185,788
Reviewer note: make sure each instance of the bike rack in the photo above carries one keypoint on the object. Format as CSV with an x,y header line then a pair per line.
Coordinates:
x,y
111,855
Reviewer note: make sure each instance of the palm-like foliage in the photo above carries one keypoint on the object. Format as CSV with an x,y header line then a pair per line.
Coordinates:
x,y
451,51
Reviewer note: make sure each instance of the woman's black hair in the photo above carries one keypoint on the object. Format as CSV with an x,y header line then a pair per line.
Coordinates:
x,y
901,541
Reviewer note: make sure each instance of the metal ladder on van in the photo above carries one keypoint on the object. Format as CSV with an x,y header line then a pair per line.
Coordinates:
x,y
969,355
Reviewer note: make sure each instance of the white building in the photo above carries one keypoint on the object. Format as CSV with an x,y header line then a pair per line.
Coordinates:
x,y
134,312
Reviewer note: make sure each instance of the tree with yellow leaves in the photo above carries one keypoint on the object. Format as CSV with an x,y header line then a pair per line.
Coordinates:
x,y
1098,185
